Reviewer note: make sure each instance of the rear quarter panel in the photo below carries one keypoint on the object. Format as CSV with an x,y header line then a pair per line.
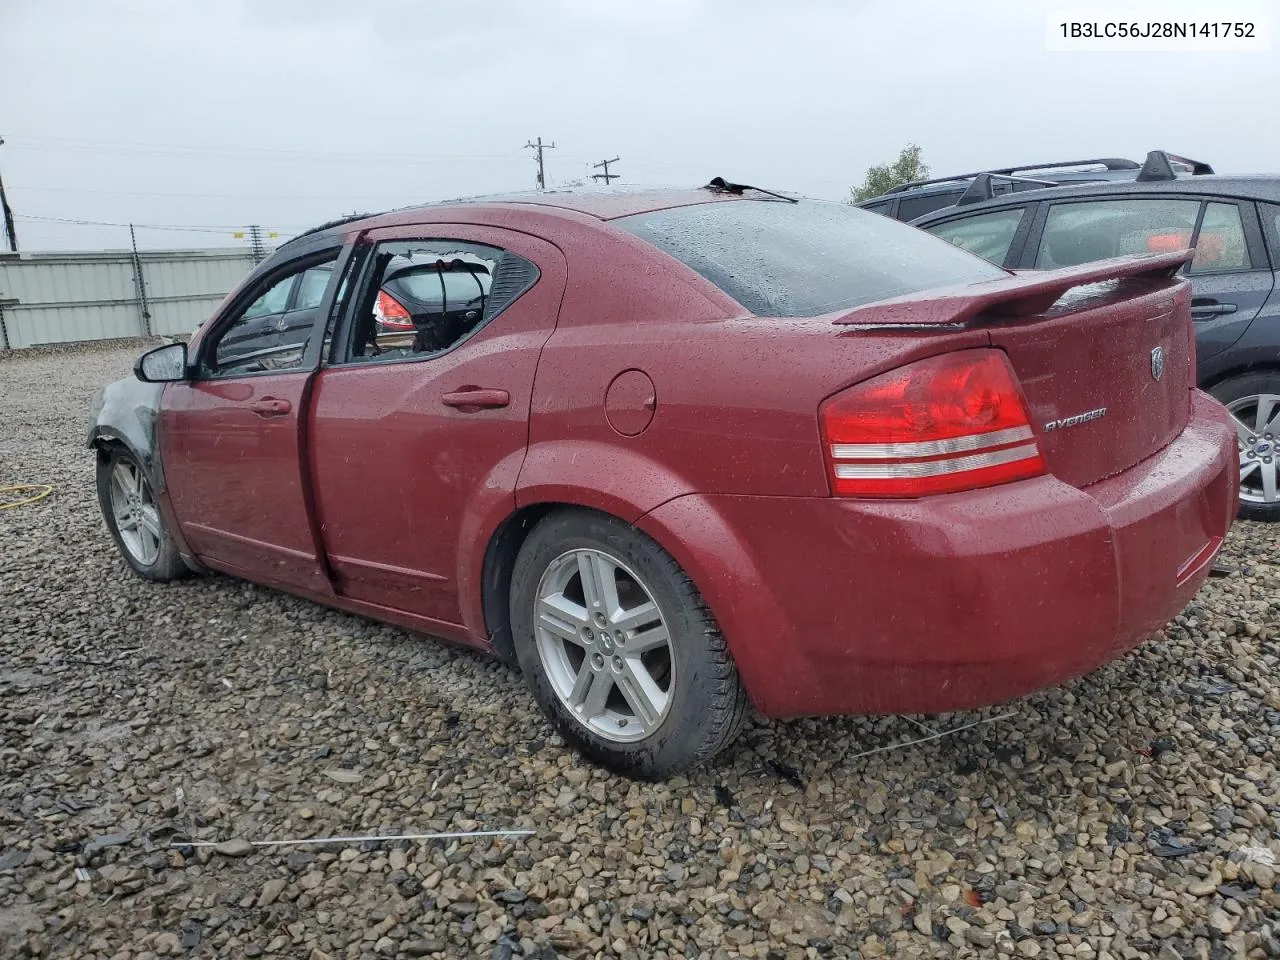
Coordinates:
x,y
736,396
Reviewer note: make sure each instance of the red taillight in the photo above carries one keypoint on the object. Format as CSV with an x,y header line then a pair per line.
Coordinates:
x,y
953,422
390,314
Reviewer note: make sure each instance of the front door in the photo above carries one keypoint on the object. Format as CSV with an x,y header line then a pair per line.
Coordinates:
x,y
416,433
231,438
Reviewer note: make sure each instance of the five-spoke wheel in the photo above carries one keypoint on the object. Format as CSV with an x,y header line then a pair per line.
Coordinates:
x,y
604,644
136,515
134,518
619,649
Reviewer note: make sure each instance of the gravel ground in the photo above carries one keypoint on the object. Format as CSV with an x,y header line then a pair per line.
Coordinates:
x,y
1131,814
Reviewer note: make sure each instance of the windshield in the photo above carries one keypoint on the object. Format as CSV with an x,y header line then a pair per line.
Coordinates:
x,y
807,258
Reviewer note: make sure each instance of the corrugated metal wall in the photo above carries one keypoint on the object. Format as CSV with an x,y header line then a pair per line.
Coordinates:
x,y
65,297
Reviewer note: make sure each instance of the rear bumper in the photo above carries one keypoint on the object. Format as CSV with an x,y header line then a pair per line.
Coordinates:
x,y
848,606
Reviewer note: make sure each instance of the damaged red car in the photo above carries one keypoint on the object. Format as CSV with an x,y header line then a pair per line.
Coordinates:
x,y
675,453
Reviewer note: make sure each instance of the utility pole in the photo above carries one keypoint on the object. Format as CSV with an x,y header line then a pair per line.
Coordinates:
x,y
542,171
8,214
257,240
256,249
606,176
140,284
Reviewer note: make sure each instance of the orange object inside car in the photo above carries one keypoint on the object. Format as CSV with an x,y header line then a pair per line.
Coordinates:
x,y
1168,242
1210,247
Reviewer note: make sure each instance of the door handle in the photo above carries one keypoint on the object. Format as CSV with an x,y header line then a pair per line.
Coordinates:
x,y
1211,308
476,398
270,407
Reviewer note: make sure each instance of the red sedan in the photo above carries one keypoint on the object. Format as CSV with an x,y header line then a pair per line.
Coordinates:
x,y
678,451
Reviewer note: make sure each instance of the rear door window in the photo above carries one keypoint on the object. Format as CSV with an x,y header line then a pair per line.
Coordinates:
x,y
1221,245
803,259
423,298
1077,233
989,235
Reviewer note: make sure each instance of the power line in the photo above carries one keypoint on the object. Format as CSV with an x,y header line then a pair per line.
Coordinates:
x,y
186,228
224,152
542,173
606,176
345,197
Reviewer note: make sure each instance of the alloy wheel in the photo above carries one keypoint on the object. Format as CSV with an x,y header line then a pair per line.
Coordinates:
x,y
1257,421
134,510
604,645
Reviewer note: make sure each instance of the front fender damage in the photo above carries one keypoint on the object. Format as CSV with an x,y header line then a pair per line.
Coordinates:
x,y
127,412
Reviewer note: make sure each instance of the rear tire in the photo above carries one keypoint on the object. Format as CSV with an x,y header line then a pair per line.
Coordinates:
x,y
623,657
1254,403
134,519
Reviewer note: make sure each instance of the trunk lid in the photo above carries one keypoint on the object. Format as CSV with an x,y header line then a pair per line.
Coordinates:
x,y
1104,353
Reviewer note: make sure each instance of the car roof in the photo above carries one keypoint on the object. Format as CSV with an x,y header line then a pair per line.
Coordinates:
x,y
601,203
606,203
1247,187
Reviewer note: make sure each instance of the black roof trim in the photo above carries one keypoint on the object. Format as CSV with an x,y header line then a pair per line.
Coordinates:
x,y
350,218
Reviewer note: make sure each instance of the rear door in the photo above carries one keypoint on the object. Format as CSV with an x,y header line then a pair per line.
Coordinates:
x,y
1230,276
416,443
230,440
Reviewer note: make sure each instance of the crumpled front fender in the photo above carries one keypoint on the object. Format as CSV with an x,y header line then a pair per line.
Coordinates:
x,y
126,412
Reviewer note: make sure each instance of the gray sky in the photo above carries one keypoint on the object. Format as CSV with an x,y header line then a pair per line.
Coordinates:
x,y
290,112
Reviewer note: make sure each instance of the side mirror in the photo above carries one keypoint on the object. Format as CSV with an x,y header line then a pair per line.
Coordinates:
x,y
163,364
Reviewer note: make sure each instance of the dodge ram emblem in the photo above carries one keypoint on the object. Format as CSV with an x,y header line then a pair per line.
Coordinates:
x,y
1157,363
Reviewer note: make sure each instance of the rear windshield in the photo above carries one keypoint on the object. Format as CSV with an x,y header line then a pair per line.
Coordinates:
x,y
425,285
802,259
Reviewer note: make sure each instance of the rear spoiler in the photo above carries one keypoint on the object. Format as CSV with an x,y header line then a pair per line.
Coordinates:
x,y
1020,295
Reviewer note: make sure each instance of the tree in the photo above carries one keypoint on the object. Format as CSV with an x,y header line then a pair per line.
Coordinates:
x,y
884,178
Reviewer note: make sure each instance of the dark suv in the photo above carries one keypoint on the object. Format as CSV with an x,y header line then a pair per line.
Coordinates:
x,y
1234,225
920,197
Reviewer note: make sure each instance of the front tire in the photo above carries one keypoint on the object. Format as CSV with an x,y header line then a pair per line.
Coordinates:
x,y
1253,401
620,651
134,518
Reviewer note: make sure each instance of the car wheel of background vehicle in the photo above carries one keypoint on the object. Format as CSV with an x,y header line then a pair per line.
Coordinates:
x,y
622,654
1254,403
134,519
